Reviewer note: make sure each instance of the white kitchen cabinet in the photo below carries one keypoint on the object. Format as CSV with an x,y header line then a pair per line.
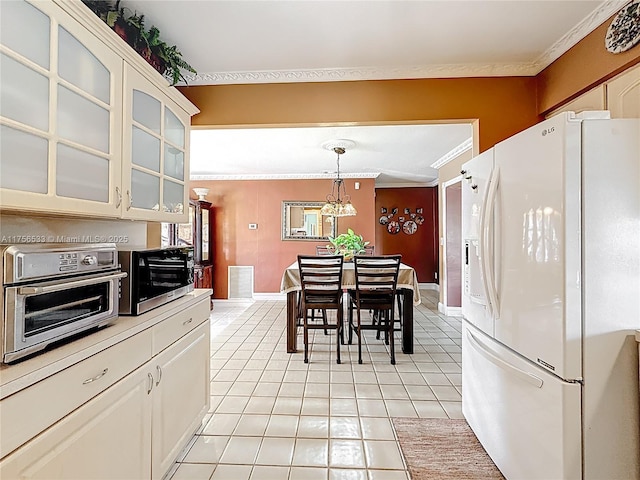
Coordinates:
x,y
109,437
88,127
60,114
593,99
180,396
623,94
136,421
155,156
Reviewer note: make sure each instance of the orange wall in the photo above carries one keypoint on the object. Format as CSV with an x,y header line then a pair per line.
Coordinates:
x,y
236,204
504,106
501,106
419,250
585,65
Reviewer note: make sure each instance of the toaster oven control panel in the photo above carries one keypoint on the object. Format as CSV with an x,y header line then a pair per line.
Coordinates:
x,y
30,262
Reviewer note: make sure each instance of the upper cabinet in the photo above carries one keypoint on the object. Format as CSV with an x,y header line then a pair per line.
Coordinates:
x,y
594,99
155,160
88,127
623,94
620,95
60,113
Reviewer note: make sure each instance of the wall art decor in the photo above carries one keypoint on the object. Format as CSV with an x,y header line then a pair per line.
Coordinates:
x,y
624,31
407,223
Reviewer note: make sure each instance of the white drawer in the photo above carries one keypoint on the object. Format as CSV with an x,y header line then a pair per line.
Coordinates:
x,y
175,327
32,410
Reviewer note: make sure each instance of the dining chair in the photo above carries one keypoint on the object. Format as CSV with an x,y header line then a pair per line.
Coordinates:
x,y
323,250
376,281
321,281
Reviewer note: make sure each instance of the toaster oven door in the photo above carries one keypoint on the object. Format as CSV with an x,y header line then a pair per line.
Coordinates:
x,y
39,314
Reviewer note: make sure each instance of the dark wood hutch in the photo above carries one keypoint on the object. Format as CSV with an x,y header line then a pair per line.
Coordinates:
x,y
200,218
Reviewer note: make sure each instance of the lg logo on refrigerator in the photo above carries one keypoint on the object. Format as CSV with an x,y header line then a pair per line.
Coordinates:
x,y
548,130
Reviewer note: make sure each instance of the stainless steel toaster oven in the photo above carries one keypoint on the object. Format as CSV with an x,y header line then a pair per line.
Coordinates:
x,y
53,291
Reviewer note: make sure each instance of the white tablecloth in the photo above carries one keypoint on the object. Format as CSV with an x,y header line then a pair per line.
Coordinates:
x,y
407,278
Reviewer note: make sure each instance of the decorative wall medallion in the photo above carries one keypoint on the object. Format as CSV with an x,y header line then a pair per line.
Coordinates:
x,y
624,31
393,227
407,223
409,227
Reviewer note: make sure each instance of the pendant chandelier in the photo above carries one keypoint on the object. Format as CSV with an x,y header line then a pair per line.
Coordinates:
x,y
338,202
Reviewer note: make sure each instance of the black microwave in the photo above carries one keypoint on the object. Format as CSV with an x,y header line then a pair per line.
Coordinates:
x,y
155,277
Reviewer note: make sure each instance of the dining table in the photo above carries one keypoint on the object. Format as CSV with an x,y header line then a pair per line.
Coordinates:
x,y
407,288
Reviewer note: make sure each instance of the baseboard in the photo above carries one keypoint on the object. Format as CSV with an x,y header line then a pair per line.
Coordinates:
x,y
233,300
269,296
429,286
449,311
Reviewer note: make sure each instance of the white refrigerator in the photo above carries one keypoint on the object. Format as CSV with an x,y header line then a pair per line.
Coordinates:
x,y
551,299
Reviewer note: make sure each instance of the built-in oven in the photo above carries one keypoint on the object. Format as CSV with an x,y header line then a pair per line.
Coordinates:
x,y
155,277
53,291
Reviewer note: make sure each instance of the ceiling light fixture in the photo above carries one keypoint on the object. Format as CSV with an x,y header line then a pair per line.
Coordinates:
x,y
338,202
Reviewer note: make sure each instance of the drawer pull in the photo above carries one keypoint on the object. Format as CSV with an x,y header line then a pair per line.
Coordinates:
x,y
97,377
187,322
159,369
150,377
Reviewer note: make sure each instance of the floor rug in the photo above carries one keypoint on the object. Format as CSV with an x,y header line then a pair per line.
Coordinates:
x,y
443,449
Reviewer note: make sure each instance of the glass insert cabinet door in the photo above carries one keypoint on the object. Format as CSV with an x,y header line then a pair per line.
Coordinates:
x,y
202,245
158,155
59,116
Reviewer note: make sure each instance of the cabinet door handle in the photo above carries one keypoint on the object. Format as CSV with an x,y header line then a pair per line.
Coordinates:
x,y
187,322
150,387
119,194
97,377
159,369
130,200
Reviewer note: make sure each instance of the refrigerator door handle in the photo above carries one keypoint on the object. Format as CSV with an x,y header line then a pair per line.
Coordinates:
x,y
488,262
486,353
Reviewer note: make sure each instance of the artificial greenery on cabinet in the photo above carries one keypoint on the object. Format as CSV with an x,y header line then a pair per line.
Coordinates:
x,y
130,27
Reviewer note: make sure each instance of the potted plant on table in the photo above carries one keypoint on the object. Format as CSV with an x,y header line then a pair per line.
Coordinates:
x,y
348,245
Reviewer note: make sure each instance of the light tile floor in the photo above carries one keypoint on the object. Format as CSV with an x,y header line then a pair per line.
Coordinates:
x,y
273,417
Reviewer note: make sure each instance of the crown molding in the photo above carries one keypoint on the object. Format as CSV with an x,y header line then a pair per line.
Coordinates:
x,y
431,183
282,176
453,153
363,73
526,69
573,36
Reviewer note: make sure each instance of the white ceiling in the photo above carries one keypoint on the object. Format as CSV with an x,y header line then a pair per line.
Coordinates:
x,y
275,41
395,155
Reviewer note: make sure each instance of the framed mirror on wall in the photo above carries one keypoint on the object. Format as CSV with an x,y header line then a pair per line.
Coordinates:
x,y
303,221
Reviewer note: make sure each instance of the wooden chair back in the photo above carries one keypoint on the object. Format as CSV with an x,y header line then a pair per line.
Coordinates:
x,y
321,280
376,280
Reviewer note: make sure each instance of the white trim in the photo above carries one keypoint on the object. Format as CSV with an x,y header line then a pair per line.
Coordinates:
x,y
443,242
429,286
432,183
281,176
532,68
363,73
577,33
449,311
234,301
453,153
270,296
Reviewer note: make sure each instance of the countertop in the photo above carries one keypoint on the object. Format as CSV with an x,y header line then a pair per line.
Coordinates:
x,y
637,335
23,373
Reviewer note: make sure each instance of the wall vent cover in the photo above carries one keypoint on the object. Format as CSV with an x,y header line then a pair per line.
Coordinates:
x,y
240,282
